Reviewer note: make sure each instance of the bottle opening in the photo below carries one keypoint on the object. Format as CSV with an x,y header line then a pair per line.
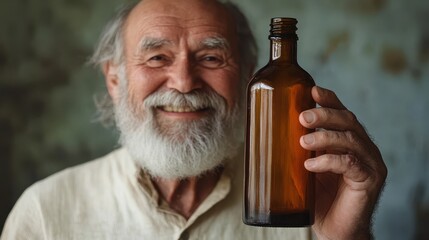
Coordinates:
x,y
283,27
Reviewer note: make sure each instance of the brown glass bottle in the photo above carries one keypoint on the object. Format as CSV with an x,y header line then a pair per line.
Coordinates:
x,y
279,191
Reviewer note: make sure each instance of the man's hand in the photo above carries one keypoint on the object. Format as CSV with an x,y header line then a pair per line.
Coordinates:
x,y
350,171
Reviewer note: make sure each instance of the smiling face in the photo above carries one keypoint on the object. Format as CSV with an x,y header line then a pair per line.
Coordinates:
x,y
183,46
176,100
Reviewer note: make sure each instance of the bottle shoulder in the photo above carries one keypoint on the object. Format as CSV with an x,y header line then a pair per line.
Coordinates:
x,y
285,74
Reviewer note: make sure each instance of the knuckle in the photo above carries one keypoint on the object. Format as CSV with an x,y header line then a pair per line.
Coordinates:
x,y
349,159
331,161
350,116
351,137
326,158
323,136
352,163
330,137
325,114
337,136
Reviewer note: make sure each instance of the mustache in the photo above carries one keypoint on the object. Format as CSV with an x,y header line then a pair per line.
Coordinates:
x,y
196,99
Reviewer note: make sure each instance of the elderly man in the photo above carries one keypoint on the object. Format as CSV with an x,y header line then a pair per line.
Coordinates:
x,y
176,72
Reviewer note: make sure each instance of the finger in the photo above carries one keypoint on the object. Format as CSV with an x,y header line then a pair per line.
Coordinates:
x,y
326,98
331,119
346,164
328,118
344,142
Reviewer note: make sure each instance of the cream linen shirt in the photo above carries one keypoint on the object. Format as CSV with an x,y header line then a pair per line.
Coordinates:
x,y
109,198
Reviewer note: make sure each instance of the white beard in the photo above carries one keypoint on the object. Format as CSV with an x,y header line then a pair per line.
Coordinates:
x,y
179,149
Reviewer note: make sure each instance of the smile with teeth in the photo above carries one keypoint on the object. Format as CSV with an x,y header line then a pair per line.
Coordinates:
x,y
180,109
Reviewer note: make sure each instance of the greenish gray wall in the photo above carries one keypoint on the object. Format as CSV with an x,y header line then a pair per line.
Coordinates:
x,y
373,53
46,91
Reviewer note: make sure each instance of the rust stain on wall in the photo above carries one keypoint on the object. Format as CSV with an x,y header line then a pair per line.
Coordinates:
x,y
393,60
367,6
334,42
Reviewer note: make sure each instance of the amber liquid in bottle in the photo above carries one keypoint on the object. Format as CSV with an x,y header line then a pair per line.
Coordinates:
x,y
278,191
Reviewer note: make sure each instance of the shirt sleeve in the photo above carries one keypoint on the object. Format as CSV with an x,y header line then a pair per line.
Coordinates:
x,y
25,221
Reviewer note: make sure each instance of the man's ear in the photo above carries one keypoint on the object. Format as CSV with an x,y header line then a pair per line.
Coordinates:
x,y
111,77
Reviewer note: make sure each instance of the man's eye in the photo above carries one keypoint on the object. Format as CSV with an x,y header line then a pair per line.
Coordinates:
x,y
211,61
157,58
157,61
211,58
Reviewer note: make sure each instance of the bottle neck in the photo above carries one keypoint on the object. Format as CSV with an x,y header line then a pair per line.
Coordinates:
x,y
283,51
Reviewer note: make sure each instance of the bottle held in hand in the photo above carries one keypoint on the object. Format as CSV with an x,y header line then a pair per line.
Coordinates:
x,y
278,191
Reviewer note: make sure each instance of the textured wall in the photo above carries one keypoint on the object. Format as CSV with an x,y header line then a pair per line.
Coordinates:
x,y
46,105
373,53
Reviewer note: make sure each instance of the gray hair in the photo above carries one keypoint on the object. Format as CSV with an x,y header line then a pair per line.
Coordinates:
x,y
110,47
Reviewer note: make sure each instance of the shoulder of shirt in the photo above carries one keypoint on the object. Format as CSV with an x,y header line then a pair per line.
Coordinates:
x,y
114,166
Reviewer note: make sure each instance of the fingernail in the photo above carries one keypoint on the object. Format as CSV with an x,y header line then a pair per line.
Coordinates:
x,y
310,163
308,116
308,139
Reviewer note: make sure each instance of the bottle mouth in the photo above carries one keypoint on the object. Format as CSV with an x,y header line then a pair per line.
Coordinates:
x,y
283,27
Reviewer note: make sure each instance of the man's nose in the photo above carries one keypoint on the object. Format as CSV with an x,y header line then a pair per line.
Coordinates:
x,y
184,77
